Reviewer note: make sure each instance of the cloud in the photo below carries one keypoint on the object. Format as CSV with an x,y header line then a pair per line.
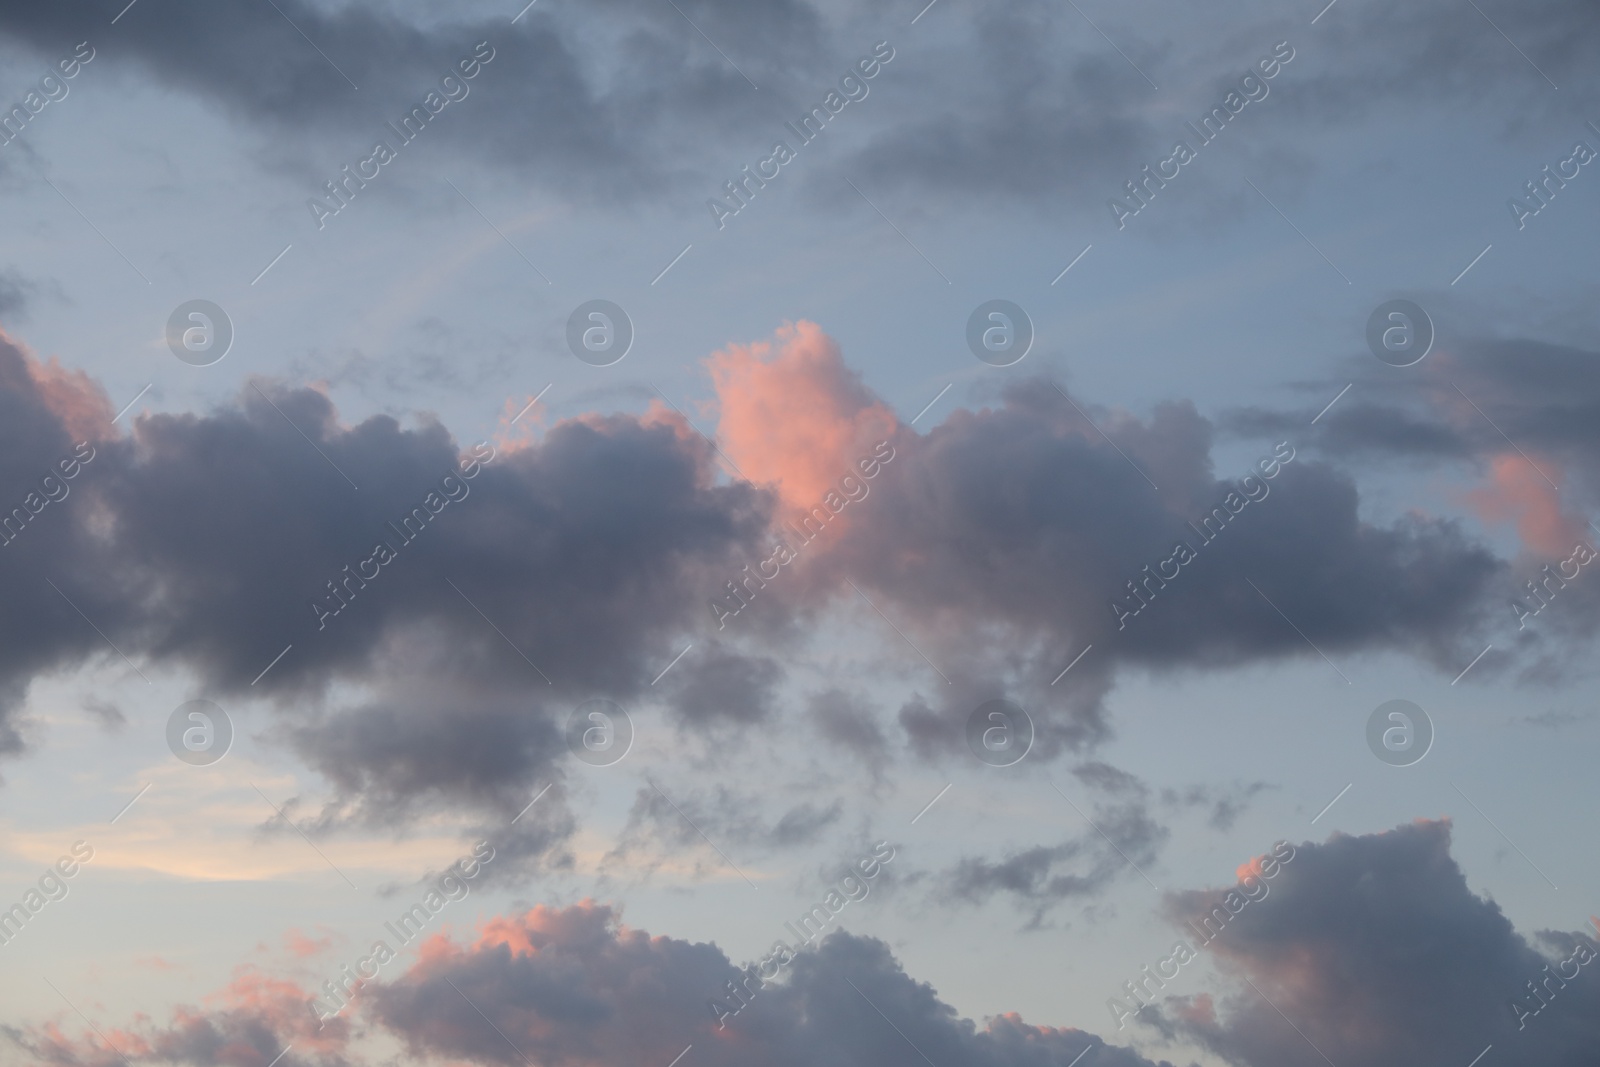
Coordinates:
x,y
673,826
1518,492
204,542
247,1023
1376,949
1448,420
1226,802
575,987
846,721
619,102
1125,840
1456,404
1370,950
581,562
1427,52
302,946
793,415
716,687
544,107
1020,523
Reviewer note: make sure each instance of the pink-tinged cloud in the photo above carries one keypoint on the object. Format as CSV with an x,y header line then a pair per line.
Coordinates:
x,y
247,1023
1370,951
793,416
72,396
1518,493
303,947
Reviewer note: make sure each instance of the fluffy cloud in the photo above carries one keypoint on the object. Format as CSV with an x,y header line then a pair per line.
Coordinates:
x,y
793,415
574,988
1448,420
201,541
575,565
1020,523
1372,948
1376,949
248,1023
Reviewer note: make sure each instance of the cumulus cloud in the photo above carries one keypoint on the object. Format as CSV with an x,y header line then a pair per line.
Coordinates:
x,y
793,415
574,986
1449,420
247,1023
202,542
1377,950
1368,950
1021,523
575,564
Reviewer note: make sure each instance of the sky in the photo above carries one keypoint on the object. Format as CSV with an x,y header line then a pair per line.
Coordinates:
x,y
684,533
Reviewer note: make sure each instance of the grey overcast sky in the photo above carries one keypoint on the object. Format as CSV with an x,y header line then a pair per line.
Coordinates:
x,y
679,533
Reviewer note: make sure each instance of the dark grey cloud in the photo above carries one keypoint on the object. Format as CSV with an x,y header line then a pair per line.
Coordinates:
x,y
1371,951
615,101
591,993
45,539
1515,423
1047,113
1544,397
1020,522
1123,841
578,566
1020,100
556,553
1377,950
206,542
573,986
716,687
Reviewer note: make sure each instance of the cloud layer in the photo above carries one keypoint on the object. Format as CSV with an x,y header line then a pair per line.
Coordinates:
x,y
1370,951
